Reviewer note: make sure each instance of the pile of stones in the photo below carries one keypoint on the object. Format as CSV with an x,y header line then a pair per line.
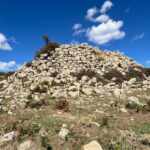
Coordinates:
x,y
71,71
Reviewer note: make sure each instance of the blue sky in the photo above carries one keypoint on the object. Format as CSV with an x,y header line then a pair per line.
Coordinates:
x,y
115,25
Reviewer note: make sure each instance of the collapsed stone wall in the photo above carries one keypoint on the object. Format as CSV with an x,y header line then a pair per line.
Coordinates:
x,y
70,71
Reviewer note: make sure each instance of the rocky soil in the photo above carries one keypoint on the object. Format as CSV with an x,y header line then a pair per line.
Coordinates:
x,y
76,97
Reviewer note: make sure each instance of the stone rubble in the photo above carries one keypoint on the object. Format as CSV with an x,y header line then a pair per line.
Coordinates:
x,y
134,102
28,145
71,71
11,136
63,132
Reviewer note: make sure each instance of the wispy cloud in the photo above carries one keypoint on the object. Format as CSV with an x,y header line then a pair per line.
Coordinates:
x,y
77,26
77,29
4,44
106,6
13,40
75,42
102,18
9,66
139,36
91,12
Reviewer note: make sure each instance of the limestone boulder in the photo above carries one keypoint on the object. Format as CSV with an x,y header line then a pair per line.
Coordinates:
x,y
94,145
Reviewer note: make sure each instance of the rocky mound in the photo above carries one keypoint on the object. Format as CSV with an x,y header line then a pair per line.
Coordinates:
x,y
69,71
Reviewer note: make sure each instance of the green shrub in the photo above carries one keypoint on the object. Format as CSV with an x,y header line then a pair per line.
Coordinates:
x,y
105,121
142,129
45,143
121,144
29,64
47,49
46,39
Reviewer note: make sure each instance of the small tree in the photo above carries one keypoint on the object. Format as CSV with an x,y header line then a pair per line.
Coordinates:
x,y
46,39
49,48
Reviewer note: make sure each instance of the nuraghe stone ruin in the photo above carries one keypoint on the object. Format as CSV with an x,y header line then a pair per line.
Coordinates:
x,y
72,71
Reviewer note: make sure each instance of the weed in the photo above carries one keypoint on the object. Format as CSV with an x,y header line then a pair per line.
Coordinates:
x,y
45,143
142,129
105,121
62,105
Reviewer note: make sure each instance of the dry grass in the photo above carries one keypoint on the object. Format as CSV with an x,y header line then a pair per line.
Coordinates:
x,y
84,125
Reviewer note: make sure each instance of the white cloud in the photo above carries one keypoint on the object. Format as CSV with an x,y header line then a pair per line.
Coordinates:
x,y
75,42
78,32
94,10
9,66
13,40
106,32
4,45
139,37
91,13
102,18
77,26
106,6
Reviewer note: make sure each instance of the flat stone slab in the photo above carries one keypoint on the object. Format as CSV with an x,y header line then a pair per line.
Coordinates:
x,y
94,145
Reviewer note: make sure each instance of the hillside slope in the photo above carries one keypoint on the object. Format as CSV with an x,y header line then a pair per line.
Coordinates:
x,y
70,95
70,71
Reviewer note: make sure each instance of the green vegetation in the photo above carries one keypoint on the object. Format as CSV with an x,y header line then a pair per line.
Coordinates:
x,y
121,144
29,64
46,39
142,128
48,49
105,121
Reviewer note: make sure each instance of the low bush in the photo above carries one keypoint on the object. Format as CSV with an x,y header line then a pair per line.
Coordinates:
x,y
47,49
62,105
29,64
105,121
